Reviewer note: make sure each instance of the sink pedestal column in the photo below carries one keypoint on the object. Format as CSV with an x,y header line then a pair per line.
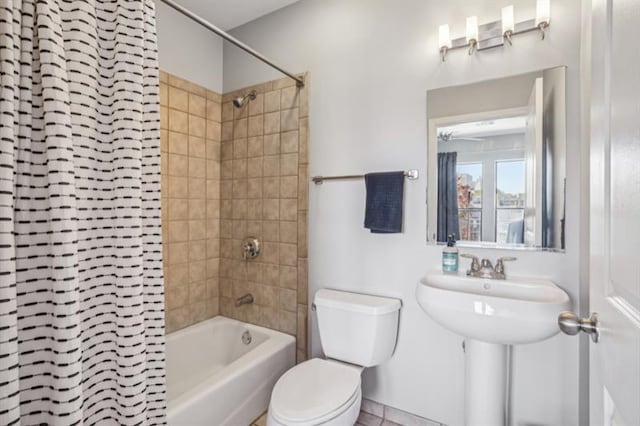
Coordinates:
x,y
485,383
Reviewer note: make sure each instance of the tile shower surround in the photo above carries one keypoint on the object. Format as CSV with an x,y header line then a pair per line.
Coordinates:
x,y
264,194
190,147
229,173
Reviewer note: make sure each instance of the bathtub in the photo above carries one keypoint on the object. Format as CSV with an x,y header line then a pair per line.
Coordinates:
x,y
215,376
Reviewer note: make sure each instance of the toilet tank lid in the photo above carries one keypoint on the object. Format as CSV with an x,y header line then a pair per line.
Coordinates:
x,y
356,302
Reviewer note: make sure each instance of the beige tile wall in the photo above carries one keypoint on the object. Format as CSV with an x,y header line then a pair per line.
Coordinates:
x,y
229,173
190,144
264,186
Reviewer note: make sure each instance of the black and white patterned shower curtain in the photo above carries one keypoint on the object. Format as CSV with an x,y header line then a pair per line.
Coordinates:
x,y
81,286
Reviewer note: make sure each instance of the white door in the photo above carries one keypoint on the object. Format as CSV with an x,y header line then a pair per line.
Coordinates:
x,y
533,158
615,212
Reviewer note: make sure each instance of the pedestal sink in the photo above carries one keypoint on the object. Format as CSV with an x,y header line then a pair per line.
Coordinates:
x,y
491,314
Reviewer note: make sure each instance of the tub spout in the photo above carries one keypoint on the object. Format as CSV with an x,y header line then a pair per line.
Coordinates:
x,y
244,300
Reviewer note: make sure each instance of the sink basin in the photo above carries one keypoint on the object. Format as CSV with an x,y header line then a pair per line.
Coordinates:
x,y
511,311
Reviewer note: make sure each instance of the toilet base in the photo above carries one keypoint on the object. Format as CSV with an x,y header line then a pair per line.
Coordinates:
x,y
348,417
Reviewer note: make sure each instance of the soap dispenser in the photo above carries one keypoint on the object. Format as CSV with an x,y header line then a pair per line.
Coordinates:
x,y
450,256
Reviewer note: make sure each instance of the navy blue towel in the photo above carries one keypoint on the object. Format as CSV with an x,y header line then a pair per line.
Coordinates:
x,y
383,212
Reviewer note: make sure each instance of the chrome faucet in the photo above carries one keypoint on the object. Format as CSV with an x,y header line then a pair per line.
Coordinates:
x,y
244,300
499,268
484,268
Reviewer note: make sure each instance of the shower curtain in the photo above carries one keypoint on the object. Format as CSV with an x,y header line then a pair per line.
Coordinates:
x,y
81,286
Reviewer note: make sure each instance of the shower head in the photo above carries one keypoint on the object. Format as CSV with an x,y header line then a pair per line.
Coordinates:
x,y
239,101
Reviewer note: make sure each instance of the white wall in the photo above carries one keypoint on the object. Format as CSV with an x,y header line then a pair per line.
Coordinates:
x,y
371,63
187,49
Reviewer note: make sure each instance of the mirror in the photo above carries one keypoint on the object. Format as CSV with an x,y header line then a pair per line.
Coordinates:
x,y
496,157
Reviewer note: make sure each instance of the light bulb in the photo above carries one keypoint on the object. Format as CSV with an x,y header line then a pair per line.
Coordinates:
x,y
543,12
444,40
472,29
507,20
472,34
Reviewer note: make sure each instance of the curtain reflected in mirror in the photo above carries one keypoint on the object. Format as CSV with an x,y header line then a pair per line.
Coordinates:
x,y
447,196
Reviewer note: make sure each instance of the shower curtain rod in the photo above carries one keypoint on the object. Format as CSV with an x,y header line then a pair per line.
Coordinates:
x,y
231,39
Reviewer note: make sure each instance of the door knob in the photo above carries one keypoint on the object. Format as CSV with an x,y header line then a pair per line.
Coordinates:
x,y
572,324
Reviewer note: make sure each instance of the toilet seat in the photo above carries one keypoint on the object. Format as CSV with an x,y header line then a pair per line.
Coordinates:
x,y
315,392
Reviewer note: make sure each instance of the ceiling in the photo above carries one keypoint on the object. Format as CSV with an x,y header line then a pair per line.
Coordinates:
x,y
227,14
496,127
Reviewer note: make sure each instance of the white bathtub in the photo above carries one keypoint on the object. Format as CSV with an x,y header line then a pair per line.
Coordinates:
x,y
213,378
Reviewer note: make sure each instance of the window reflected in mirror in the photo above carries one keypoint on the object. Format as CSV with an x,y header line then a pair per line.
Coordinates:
x,y
469,177
510,201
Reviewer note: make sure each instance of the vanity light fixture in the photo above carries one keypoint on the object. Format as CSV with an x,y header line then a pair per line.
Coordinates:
x,y
494,34
444,41
472,33
543,15
507,23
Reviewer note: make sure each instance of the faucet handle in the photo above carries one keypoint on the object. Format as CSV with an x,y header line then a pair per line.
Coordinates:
x,y
475,263
500,263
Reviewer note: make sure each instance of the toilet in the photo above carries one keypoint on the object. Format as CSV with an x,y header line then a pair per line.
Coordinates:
x,y
356,331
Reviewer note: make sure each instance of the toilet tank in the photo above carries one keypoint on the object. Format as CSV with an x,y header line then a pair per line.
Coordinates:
x,y
357,328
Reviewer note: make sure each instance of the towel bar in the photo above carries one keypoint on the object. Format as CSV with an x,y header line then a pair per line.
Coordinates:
x,y
409,174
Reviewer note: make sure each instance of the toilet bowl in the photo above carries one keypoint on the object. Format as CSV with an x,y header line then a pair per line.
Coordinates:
x,y
317,392
356,331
